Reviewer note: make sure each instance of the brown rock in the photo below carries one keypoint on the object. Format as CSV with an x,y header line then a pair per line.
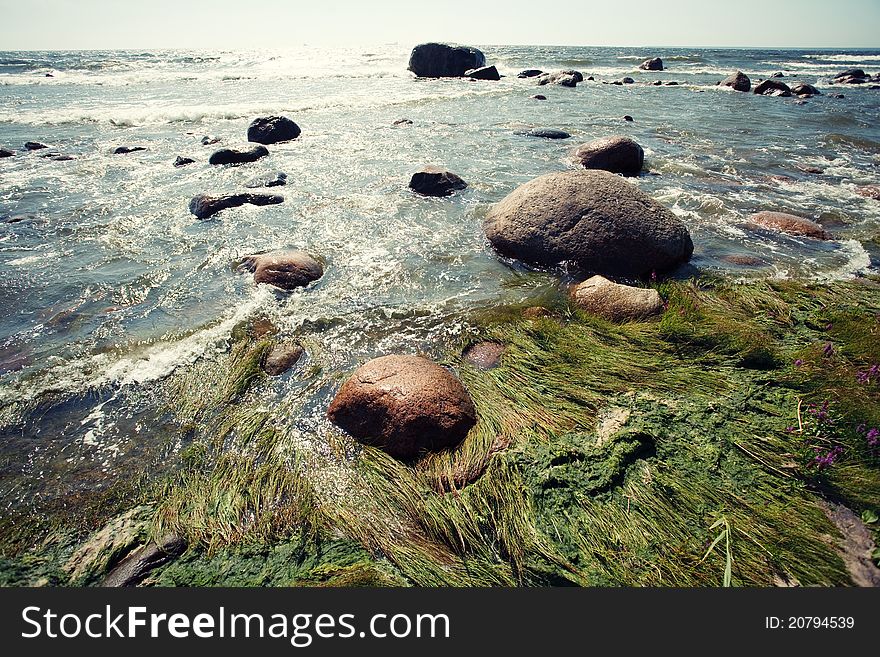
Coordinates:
x,y
615,154
433,181
616,302
655,64
282,357
772,88
405,405
287,271
738,81
789,224
744,260
484,355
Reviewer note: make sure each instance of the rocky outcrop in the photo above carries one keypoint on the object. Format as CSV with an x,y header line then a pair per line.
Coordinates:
x,y
440,60
272,130
616,302
615,154
484,73
772,88
288,270
434,181
204,206
738,81
405,405
238,156
282,357
277,179
790,224
594,219
545,133
654,64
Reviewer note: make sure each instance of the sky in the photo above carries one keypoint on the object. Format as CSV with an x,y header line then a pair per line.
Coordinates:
x,y
230,24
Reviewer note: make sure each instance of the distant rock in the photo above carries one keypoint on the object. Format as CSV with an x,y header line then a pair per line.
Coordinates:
x,y
538,97
805,90
628,118
60,157
777,75
125,150
483,73
287,271
440,60
530,73
772,88
277,179
577,75
594,219
671,83
6,152
34,146
655,64
204,206
434,181
616,154
851,76
484,355
545,133
282,357
183,161
272,130
562,78
404,405
790,224
627,80
238,156
616,302
738,81
208,140
402,122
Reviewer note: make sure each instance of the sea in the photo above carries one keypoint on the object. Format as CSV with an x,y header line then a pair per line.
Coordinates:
x,y
109,286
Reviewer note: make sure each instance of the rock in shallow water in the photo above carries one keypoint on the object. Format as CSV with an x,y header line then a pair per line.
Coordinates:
x,y
183,161
484,355
772,88
738,81
272,130
790,224
6,153
405,405
204,206
484,73
277,179
238,156
34,146
138,563
616,302
545,133
594,219
125,150
440,60
434,181
616,154
654,64
530,73
282,357
805,90
288,270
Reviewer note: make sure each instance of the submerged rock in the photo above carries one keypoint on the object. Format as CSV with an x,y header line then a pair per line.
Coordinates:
x,y
183,161
4,152
538,97
404,405
282,357
484,73
772,88
204,206
434,181
288,270
125,150
743,260
238,156
627,118
545,133
272,130
530,73
208,140
627,80
616,302
484,355
654,64
594,219
277,179
805,90
440,60
402,122
34,146
135,567
738,81
790,224
616,154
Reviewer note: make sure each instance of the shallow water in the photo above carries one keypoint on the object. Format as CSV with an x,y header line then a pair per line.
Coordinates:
x,y
110,284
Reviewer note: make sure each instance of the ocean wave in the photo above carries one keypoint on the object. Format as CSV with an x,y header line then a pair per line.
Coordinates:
x,y
846,57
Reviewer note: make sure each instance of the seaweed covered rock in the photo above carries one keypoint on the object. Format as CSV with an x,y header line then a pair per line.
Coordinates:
x,y
738,81
434,181
272,130
484,73
484,355
616,154
594,219
405,405
288,270
653,64
440,60
238,156
772,88
616,302
136,565
204,206
790,224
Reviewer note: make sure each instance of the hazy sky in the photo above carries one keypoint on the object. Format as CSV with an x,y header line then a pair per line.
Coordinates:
x,y
63,24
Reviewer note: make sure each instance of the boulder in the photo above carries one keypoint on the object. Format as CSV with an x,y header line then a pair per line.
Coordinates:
x,y
778,75
440,60
238,156
277,179
545,133
615,154
208,140
34,146
772,88
403,122
616,302
790,224
204,206
183,161
851,76
282,357
538,97
483,73
627,118
577,75
627,80
125,150
404,405
434,181
288,270
594,219
655,64
805,90
562,78
671,83
4,152
272,130
484,355
530,73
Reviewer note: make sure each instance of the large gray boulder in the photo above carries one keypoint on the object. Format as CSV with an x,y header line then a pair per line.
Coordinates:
x,y
594,219
440,60
653,64
615,154
738,81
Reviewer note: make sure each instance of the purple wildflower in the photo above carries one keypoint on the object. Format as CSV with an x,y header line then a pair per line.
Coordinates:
x,y
873,437
798,362
828,350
